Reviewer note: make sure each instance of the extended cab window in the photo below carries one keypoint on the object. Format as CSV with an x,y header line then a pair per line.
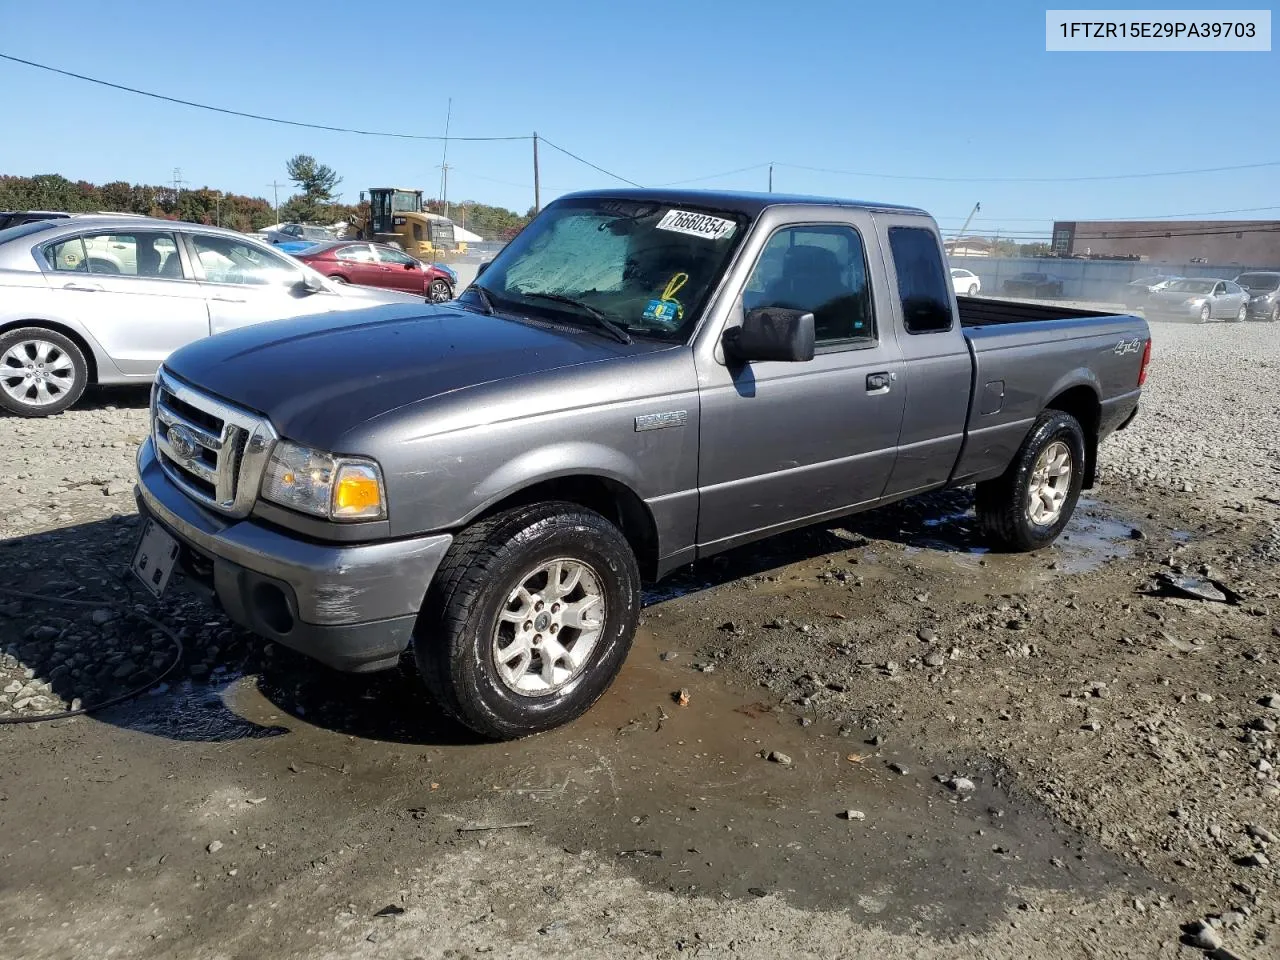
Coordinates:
x,y
821,270
922,280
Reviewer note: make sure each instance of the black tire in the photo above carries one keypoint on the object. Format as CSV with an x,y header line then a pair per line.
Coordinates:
x,y
1275,313
1242,314
454,637
1003,504
439,291
336,278
1206,313
973,290
62,348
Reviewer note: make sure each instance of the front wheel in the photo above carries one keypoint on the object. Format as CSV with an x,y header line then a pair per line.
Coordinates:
x,y
528,619
42,372
439,292
336,278
1031,502
1205,313
973,290
1275,314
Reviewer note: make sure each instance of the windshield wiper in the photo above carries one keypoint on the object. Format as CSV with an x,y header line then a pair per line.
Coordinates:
x,y
615,331
485,302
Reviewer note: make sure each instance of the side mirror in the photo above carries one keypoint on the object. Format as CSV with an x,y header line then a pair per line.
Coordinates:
x,y
771,333
483,267
307,286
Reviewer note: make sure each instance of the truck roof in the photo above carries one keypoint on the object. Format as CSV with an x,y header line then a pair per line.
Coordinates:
x,y
741,201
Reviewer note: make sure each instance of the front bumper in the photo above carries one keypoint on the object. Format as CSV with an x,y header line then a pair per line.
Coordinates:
x,y
351,606
1260,310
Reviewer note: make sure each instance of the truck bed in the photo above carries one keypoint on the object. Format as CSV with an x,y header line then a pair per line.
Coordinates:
x,y
984,312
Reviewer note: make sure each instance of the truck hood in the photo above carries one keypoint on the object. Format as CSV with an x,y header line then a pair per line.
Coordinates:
x,y
317,377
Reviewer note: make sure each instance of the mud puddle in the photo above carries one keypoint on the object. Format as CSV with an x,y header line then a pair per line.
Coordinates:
x,y
681,796
943,523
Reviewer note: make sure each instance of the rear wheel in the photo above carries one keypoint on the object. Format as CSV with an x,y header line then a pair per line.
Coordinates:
x,y
439,291
338,278
42,372
1242,314
1030,504
528,619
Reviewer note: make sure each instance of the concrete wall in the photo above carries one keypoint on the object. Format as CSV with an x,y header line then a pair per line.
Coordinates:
x,y
1094,280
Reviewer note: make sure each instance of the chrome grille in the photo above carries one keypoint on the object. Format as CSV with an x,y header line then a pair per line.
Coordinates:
x,y
215,452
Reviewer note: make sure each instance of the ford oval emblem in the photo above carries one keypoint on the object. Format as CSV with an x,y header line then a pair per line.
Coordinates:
x,y
183,442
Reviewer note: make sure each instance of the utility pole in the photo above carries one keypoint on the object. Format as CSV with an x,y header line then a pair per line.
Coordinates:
x,y
276,187
537,196
217,208
177,186
771,178
444,162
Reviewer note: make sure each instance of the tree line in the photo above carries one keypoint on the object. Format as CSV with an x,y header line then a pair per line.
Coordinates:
x,y
313,203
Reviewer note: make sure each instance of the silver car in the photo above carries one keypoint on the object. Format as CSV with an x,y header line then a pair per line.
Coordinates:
x,y
104,299
1200,299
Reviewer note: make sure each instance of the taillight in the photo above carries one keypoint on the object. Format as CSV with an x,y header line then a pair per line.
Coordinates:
x,y
1146,359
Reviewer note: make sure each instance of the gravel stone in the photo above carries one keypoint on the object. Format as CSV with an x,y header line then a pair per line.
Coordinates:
x,y
1202,935
780,758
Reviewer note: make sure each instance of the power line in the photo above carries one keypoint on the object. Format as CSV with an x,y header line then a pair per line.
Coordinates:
x,y
1112,176
607,173
715,176
243,113
1150,216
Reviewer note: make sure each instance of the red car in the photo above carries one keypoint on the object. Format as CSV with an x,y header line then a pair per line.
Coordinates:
x,y
377,265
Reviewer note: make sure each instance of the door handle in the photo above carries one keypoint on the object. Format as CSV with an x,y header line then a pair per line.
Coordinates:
x,y
879,382
229,299
83,287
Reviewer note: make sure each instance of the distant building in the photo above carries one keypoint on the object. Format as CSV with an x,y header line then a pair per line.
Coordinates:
x,y
1248,243
968,247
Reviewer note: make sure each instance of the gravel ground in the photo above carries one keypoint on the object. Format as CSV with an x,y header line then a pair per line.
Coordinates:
x,y
895,744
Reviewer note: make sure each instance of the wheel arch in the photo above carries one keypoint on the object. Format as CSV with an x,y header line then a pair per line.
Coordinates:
x,y
609,496
87,347
1083,402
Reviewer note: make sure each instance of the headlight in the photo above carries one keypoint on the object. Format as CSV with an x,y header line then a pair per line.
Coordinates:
x,y
318,483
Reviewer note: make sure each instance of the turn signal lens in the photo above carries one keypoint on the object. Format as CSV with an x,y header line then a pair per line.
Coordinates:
x,y
357,493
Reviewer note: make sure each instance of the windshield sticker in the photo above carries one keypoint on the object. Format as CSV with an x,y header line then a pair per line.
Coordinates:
x,y
697,225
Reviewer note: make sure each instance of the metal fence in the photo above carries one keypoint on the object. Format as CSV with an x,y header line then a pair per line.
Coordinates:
x,y
1099,280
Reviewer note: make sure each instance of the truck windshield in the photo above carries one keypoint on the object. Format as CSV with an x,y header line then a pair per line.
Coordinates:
x,y
649,267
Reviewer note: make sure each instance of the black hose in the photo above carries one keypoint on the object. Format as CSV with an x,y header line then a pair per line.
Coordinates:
x,y
129,611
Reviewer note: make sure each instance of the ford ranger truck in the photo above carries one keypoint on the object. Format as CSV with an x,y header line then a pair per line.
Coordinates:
x,y
640,379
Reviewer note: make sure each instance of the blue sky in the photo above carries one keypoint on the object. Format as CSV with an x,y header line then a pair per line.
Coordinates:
x,y
658,92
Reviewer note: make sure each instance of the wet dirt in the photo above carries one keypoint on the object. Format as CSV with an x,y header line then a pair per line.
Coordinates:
x,y
332,796
682,797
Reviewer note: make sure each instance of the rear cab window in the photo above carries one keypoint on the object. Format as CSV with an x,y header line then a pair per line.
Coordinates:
x,y
923,288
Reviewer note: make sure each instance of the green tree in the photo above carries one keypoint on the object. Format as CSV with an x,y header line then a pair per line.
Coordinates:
x,y
317,181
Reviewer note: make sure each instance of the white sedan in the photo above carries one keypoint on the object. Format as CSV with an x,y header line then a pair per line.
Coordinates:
x,y
966,283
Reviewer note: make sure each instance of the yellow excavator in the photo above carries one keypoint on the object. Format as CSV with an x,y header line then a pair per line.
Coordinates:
x,y
396,215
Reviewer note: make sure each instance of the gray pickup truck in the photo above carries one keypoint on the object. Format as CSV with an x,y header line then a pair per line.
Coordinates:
x,y
638,380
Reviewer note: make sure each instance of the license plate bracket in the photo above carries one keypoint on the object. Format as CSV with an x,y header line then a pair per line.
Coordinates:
x,y
155,557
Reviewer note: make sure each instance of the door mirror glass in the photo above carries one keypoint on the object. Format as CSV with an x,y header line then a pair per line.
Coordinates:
x,y
771,333
483,267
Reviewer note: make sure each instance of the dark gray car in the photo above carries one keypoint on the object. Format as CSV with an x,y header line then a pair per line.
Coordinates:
x,y
638,380
1263,287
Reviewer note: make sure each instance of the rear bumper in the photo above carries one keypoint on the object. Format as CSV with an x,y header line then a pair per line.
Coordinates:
x,y
351,606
